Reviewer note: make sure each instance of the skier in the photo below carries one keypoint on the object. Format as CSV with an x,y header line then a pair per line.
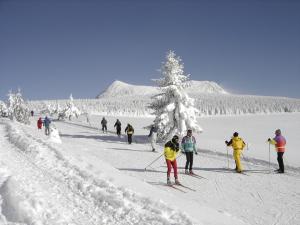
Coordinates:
x,y
104,124
40,123
170,152
238,145
31,113
129,129
153,136
47,122
279,142
118,127
188,145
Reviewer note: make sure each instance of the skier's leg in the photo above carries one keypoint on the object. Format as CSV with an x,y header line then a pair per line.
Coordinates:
x,y
280,161
237,156
169,168
187,160
191,161
174,165
129,138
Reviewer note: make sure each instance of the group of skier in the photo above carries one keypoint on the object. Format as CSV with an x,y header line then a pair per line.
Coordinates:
x,y
129,130
171,150
188,147
46,123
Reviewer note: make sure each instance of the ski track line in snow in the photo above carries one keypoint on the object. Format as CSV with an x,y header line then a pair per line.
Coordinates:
x,y
258,168
22,167
123,206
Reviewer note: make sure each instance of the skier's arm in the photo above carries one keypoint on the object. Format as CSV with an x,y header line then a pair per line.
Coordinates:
x,y
195,148
228,143
183,145
244,144
272,141
150,133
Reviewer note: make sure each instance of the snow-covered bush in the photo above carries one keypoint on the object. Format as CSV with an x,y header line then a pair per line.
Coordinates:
x,y
3,109
51,109
173,109
69,111
17,107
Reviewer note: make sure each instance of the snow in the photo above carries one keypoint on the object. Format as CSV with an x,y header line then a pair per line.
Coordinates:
x,y
96,178
120,88
207,104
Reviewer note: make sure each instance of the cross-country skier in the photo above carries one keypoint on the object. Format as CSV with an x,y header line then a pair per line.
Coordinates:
x,y
153,136
188,145
129,130
47,122
104,124
40,123
118,127
279,142
238,145
170,152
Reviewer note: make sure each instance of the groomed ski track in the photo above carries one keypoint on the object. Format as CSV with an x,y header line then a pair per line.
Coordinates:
x,y
73,175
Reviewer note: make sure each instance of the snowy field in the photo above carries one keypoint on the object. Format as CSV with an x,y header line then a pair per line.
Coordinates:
x,y
96,178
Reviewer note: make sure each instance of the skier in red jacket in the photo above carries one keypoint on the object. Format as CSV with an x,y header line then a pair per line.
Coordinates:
x,y
40,123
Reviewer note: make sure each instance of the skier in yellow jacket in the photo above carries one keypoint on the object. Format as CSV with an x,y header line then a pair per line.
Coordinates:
x,y
238,145
170,152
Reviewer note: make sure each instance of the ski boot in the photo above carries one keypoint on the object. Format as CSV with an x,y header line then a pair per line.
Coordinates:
x,y
169,181
177,181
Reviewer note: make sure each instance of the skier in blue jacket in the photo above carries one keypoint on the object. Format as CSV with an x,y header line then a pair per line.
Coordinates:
x,y
47,122
188,145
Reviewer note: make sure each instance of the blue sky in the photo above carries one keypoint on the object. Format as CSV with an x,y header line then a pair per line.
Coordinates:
x,y
53,48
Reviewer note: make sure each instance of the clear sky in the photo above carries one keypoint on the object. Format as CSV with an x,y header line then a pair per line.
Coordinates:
x,y
53,48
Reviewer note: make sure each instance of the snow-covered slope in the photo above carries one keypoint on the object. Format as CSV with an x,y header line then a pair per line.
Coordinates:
x,y
93,178
119,88
207,104
205,87
122,99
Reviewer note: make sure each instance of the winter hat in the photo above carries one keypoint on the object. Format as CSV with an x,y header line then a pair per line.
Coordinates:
x,y
235,134
175,137
278,132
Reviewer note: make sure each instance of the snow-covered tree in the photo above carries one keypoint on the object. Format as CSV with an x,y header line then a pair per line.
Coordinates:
x,y
17,107
70,110
174,109
3,109
50,108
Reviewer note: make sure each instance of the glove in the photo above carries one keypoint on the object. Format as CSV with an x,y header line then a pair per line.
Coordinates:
x,y
226,142
183,152
196,153
269,139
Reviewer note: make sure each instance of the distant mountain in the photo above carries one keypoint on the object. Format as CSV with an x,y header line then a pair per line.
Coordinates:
x,y
206,87
119,88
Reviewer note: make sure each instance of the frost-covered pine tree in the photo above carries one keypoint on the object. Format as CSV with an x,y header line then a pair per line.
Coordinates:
x,y
17,108
173,108
3,109
70,110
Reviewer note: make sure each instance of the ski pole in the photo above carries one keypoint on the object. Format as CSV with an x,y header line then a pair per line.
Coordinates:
x,y
227,158
179,155
269,157
246,160
154,161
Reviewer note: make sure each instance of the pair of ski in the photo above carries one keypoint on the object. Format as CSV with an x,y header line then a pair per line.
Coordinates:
x,y
177,187
194,175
